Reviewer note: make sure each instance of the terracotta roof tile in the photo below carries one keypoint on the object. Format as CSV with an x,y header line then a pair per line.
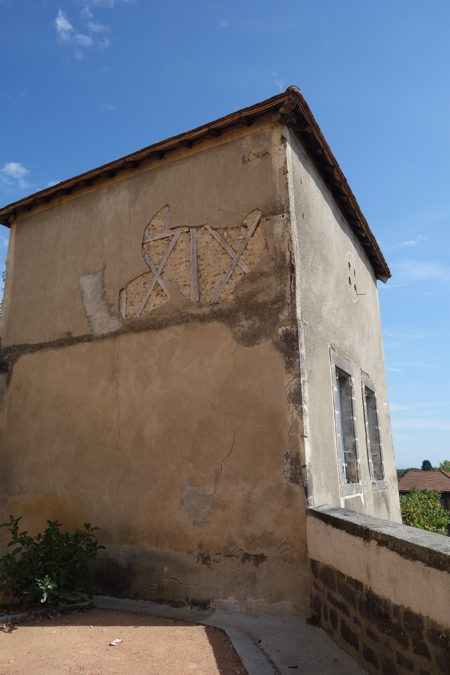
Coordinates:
x,y
425,480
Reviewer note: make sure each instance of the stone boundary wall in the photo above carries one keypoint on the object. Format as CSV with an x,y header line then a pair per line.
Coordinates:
x,y
371,580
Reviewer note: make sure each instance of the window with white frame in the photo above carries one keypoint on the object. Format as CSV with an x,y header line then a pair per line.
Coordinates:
x,y
373,440
345,421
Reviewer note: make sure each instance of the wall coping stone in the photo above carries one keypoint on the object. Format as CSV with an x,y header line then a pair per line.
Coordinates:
x,y
411,543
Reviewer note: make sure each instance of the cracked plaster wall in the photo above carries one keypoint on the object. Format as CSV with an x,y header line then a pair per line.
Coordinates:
x,y
180,454
177,434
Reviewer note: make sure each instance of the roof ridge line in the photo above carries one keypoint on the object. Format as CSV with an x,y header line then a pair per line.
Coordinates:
x,y
293,111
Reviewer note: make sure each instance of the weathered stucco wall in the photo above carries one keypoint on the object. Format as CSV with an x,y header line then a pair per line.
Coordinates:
x,y
172,441
344,317
216,183
174,429
381,590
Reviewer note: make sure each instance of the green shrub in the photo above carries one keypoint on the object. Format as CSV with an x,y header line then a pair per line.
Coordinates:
x,y
51,568
421,508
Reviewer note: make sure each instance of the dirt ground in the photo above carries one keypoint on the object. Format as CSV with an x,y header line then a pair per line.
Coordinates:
x,y
80,643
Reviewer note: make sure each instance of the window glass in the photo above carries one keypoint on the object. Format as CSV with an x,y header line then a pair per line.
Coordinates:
x,y
346,426
373,434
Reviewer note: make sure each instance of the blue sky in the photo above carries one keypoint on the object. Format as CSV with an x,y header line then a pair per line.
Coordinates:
x,y
86,81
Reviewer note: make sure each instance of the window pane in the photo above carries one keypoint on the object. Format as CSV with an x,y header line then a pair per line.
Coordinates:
x,y
373,434
347,440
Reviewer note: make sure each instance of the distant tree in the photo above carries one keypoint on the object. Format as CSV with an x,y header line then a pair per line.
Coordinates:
x,y
421,508
445,465
426,465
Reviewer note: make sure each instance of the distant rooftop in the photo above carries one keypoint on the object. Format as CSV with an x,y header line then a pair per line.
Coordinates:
x,y
425,480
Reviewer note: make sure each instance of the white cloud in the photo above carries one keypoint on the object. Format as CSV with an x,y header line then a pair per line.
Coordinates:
x,y
223,23
412,242
395,407
409,364
13,175
422,424
97,27
108,107
91,33
409,243
63,27
414,335
281,84
83,40
51,183
108,4
14,170
413,271
417,364
86,12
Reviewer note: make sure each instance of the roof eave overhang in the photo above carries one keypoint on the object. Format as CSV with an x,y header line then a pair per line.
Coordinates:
x,y
293,111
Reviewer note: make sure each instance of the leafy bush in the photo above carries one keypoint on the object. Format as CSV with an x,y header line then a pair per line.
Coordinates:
x,y
421,508
52,567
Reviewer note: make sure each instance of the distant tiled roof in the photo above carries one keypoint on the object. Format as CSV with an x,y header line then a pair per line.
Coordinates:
x,y
425,480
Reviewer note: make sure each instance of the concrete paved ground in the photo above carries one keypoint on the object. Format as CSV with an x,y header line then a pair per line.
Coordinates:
x,y
266,645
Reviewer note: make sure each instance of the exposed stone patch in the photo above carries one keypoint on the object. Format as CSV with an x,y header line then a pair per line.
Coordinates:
x,y
261,300
200,262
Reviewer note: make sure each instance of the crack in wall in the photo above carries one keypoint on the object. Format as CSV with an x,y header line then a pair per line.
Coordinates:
x,y
218,472
197,502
